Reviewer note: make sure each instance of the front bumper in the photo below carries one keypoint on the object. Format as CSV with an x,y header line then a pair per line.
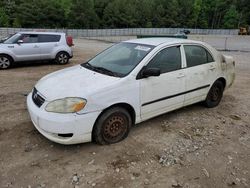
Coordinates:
x,y
52,125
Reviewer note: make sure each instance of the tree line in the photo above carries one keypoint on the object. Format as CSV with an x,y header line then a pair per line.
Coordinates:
x,y
90,14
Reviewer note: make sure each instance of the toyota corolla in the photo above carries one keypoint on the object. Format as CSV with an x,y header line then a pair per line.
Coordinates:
x,y
126,84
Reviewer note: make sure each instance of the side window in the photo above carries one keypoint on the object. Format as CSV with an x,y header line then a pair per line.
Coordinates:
x,y
209,58
197,55
167,60
49,38
29,38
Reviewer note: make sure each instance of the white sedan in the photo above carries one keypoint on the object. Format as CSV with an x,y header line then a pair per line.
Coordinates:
x,y
126,84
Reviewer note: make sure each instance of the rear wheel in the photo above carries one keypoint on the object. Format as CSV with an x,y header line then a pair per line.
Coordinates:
x,y
62,58
5,62
214,95
113,126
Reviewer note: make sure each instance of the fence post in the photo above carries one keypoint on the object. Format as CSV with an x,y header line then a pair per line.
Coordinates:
x,y
226,44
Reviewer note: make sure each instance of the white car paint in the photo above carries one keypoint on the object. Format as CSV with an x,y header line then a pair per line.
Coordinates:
x,y
102,91
37,50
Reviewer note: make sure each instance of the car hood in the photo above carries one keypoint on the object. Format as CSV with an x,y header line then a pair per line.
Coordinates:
x,y
2,45
76,81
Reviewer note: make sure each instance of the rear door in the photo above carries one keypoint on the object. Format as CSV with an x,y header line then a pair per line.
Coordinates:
x,y
47,44
29,50
201,71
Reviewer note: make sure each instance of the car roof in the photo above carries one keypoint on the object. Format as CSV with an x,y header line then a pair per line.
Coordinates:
x,y
41,32
156,41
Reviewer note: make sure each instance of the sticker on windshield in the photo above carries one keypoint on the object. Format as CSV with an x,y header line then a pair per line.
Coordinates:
x,y
142,48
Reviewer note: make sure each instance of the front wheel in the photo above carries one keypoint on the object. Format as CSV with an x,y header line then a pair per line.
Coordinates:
x,y
5,62
214,95
62,58
113,126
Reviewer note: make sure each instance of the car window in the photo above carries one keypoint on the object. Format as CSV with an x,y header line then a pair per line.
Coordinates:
x,y
120,59
12,39
197,55
167,60
29,38
209,57
49,38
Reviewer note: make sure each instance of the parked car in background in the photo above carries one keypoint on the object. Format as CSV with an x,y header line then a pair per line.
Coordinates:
x,y
35,46
126,84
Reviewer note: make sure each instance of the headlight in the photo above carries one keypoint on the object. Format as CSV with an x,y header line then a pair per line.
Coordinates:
x,y
66,105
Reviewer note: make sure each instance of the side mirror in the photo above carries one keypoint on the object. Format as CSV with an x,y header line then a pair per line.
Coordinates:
x,y
148,72
19,41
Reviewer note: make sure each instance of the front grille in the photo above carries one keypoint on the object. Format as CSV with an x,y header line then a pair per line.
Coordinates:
x,y
37,99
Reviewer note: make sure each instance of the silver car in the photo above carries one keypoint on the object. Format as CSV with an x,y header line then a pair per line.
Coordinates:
x,y
35,46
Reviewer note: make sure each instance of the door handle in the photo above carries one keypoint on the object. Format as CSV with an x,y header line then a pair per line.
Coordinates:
x,y
181,76
36,46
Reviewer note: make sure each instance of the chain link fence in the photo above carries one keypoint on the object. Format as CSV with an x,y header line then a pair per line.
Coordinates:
x,y
124,32
221,39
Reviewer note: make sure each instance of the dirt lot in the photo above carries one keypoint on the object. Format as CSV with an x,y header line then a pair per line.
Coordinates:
x,y
193,147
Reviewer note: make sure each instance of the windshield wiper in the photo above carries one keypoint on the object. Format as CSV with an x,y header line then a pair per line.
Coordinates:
x,y
88,65
100,69
105,71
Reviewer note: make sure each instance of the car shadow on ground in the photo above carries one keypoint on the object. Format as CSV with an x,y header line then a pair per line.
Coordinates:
x,y
33,64
170,115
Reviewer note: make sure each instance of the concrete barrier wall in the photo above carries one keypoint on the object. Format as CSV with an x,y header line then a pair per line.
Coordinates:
x,y
220,39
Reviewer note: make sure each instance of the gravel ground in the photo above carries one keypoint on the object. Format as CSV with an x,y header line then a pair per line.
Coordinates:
x,y
193,147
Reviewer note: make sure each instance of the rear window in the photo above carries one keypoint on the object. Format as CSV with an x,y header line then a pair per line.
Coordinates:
x,y
197,55
49,38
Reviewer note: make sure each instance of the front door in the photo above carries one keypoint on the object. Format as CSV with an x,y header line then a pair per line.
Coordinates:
x,y
28,50
164,93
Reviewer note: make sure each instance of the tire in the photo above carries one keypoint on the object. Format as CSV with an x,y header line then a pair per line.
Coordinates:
x,y
214,95
112,126
62,58
5,62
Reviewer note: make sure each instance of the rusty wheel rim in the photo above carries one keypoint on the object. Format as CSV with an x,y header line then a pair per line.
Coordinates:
x,y
115,127
215,94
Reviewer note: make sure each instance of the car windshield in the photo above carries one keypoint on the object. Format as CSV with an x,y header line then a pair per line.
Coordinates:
x,y
2,39
118,60
12,39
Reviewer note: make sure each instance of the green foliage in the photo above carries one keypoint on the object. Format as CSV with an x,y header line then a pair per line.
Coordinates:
x,y
82,14
124,13
231,18
120,13
4,21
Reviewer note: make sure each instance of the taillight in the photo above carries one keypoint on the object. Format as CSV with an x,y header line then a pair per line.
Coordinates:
x,y
69,40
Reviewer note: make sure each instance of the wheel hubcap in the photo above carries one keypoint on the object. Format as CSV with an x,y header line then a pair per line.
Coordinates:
x,y
115,128
4,62
63,58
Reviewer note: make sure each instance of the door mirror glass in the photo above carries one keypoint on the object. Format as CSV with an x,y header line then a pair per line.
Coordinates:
x,y
19,41
148,72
